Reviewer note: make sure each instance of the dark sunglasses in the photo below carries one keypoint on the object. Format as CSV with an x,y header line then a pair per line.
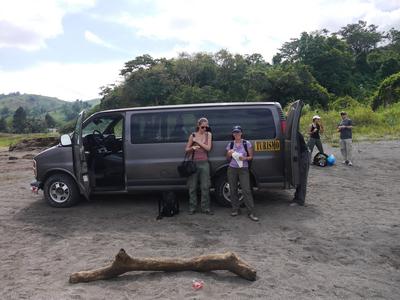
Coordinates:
x,y
203,127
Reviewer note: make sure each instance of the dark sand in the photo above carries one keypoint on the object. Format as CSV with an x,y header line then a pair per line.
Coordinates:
x,y
345,244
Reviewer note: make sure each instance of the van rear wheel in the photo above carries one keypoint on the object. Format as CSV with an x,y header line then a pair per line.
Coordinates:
x,y
60,190
223,191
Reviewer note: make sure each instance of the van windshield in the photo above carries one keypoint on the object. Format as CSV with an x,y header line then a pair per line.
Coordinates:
x,y
105,125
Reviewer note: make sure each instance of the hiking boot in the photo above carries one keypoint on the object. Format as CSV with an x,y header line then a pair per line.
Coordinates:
x,y
253,218
350,163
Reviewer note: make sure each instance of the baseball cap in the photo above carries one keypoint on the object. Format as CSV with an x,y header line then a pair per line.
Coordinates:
x,y
236,128
316,117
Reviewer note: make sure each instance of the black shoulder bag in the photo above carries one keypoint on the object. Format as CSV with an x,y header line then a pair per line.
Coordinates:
x,y
188,166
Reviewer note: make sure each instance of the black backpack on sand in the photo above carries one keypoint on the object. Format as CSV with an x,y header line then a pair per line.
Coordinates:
x,y
168,205
320,159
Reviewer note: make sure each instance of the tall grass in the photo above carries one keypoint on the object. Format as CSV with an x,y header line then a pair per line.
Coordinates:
x,y
383,124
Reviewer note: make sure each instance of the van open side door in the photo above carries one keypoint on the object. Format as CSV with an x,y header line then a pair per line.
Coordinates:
x,y
292,162
80,164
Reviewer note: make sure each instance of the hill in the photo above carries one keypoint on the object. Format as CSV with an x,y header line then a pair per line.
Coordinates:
x,y
37,106
30,101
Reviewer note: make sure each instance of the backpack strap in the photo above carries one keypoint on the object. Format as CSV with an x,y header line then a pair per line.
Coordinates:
x,y
245,147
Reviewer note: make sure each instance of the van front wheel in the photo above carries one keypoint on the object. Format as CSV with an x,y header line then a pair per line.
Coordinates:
x,y
60,190
223,191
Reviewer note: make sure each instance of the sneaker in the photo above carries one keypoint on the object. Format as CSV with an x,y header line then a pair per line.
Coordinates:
x,y
253,218
344,162
208,212
191,212
234,213
350,163
294,204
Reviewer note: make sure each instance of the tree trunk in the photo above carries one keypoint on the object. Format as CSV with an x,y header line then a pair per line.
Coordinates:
x,y
124,263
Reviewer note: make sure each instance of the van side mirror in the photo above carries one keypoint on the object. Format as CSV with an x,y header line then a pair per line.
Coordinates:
x,y
65,140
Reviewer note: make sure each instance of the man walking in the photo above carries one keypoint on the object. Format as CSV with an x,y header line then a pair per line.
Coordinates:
x,y
345,129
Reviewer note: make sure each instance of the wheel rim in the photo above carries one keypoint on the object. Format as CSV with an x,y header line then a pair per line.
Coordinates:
x,y
59,192
226,192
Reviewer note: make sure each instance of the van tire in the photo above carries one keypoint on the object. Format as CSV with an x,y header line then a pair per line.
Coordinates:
x,y
60,190
222,191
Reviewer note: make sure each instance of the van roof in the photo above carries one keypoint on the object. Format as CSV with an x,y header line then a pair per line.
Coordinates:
x,y
193,106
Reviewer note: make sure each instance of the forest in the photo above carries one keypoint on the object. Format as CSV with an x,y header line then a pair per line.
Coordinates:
x,y
358,65
356,69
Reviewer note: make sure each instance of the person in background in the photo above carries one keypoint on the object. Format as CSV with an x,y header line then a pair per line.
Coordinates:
x,y
239,152
304,157
316,128
199,144
345,128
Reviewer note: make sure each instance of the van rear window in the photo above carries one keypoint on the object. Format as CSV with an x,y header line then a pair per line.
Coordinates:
x,y
176,126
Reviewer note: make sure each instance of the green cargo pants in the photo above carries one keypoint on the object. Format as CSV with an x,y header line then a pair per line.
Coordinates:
x,y
203,175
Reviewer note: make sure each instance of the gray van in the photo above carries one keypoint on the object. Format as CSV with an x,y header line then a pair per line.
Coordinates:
x,y
127,150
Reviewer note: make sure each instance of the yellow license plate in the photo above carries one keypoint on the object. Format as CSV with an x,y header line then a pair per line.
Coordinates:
x,y
267,145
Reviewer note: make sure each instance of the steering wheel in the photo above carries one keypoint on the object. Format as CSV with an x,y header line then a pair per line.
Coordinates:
x,y
98,138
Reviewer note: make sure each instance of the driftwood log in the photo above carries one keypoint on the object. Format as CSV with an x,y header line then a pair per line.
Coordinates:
x,y
124,263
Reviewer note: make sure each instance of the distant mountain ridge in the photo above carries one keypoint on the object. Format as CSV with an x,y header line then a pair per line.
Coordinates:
x,y
38,106
40,103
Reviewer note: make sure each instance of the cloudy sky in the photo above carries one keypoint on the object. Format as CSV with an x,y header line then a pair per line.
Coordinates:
x,y
70,48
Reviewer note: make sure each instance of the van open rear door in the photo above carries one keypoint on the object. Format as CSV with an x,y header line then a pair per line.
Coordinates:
x,y
80,165
292,163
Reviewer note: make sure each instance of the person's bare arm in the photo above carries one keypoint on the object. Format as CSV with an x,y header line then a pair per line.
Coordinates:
x,y
207,146
189,145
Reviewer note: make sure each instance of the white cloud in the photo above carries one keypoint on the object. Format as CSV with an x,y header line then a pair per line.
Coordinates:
x,y
252,26
28,24
91,37
64,81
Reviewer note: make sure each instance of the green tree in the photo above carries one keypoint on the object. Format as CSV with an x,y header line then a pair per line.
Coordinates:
x,y
330,59
19,120
292,82
5,111
360,37
139,63
3,125
388,92
49,120
34,125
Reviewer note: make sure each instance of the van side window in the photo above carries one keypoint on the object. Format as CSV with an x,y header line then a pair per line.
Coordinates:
x,y
176,126
179,126
257,123
146,128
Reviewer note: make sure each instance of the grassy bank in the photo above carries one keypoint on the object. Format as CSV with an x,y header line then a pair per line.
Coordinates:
x,y
8,139
383,124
